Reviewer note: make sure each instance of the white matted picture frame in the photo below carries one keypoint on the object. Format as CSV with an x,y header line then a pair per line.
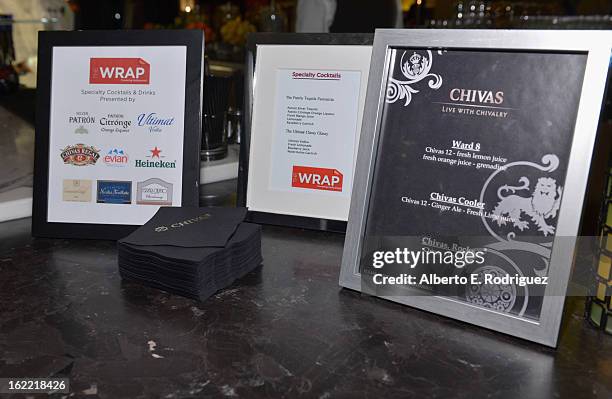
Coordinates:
x,y
462,130
271,155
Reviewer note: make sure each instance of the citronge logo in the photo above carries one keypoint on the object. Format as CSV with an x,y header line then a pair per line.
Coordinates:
x,y
119,71
317,178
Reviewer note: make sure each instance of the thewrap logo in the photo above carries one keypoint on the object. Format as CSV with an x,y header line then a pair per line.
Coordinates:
x,y
154,122
152,162
178,225
119,71
116,157
317,178
80,155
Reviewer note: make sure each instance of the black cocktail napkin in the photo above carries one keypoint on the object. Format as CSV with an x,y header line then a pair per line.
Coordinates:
x,y
193,252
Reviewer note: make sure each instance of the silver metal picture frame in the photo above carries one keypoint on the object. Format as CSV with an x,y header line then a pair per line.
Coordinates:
x,y
596,46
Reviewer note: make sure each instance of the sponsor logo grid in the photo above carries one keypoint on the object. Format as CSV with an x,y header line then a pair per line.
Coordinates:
x,y
152,191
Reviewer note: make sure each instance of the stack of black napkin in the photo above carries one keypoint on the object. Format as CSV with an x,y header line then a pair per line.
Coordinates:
x,y
193,252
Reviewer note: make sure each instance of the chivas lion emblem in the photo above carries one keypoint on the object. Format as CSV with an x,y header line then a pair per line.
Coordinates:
x,y
541,205
415,65
80,155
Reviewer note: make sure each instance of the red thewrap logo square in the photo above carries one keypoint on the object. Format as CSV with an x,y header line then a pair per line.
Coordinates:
x,y
316,178
119,71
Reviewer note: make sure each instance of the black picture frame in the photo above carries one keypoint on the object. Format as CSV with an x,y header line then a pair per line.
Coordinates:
x,y
298,39
193,40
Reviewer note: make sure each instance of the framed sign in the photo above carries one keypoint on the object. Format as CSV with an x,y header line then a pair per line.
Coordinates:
x,y
303,110
471,173
118,128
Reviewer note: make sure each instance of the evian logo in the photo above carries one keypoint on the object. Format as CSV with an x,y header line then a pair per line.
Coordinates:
x,y
119,71
476,96
116,157
317,178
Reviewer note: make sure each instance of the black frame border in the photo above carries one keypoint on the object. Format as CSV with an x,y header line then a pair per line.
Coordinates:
x,y
298,39
194,42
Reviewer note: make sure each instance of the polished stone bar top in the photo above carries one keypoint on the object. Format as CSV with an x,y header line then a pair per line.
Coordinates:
x,y
285,330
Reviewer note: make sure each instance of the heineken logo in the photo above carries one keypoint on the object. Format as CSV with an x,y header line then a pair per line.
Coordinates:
x,y
155,164
152,162
80,155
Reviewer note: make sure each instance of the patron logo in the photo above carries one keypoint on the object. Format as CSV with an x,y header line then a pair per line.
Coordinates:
x,y
80,155
76,190
178,225
317,178
81,118
154,192
119,71
153,122
155,161
116,157
114,192
115,123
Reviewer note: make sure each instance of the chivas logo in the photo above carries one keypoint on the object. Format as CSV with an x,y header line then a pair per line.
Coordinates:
x,y
415,65
415,68
317,178
178,225
80,155
477,96
119,71
116,157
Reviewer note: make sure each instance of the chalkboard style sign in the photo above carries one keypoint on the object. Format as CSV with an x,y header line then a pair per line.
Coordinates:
x,y
118,129
304,97
471,173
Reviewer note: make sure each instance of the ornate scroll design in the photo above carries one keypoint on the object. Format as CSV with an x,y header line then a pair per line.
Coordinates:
x,y
415,69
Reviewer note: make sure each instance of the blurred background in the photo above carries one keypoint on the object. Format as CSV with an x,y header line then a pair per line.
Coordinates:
x,y
226,25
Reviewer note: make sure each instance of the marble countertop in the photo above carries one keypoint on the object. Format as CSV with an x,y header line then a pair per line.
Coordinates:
x,y
285,330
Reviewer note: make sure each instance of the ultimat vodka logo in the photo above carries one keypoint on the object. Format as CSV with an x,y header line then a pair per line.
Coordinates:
x,y
119,71
316,178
